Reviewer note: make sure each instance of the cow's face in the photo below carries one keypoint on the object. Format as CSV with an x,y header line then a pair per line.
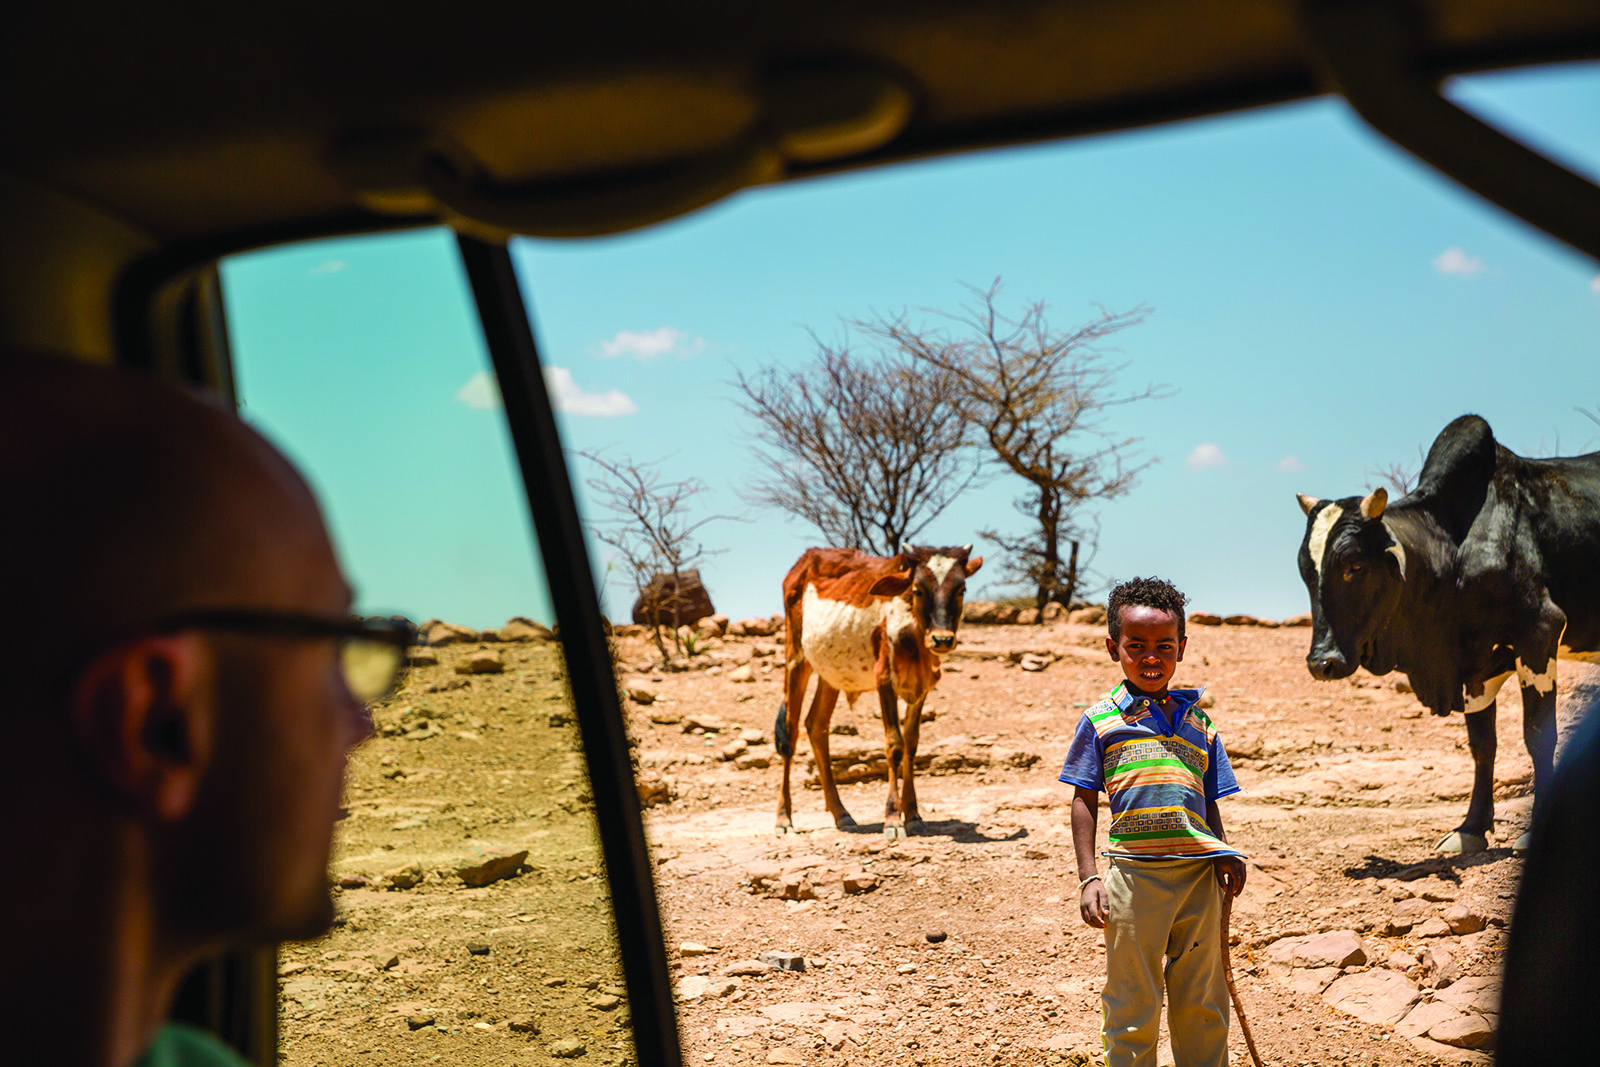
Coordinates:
x,y
1354,568
938,588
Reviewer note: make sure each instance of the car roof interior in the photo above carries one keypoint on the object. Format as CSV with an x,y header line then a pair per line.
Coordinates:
x,y
142,140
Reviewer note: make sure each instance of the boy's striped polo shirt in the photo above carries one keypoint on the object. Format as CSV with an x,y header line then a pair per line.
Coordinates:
x,y
1159,767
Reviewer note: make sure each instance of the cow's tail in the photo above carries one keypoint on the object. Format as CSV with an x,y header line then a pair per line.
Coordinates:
x,y
780,733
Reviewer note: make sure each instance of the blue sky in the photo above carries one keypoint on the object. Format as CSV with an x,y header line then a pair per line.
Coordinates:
x,y
1323,305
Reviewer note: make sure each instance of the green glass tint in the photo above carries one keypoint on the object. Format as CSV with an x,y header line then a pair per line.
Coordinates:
x,y
475,922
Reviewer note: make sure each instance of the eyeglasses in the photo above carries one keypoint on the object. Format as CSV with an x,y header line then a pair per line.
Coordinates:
x,y
372,651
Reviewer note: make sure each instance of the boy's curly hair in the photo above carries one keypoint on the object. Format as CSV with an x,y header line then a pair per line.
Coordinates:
x,y
1155,593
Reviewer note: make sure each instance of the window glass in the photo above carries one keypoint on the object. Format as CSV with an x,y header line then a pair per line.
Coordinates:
x,y
474,915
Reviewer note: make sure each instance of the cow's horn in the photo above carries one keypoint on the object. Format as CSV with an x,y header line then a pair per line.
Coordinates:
x,y
1306,502
1399,555
905,549
1373,503
967,548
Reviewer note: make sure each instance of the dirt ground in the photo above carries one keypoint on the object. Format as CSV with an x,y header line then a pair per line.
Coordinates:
x,y
959,945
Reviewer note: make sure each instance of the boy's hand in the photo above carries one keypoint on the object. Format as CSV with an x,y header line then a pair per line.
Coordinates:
x,y
1094,905
1230,874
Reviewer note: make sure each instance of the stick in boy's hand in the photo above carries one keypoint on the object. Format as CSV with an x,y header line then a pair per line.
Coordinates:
x,y
1230,874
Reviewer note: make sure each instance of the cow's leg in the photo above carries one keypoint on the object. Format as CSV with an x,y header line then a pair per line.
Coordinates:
x,y
817,720
1473,833
908,789
797,672
1538,731
894,758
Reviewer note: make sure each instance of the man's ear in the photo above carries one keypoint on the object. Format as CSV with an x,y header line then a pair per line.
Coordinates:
x,y
1111,649
1183,643
138,713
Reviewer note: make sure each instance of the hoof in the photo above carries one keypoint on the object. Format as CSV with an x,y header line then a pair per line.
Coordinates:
x,y
893,831
1461,842
784,827
843,821
1521,847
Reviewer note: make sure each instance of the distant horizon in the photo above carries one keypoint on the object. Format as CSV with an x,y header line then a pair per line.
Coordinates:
x,y
1322,305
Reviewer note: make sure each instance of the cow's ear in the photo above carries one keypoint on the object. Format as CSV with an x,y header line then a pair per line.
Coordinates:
x,y
1306,502
1399,554
892,584
1373,503
973,565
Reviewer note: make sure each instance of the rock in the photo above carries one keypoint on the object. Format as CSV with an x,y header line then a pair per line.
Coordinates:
x,y
732,750
1379,997
761,872
1436,966
1480,994
354,881
1240,620
1413,908
1466,1030
1337,948
1033,662
478,948
522,628
481,661
906,968
1313,981
1400,961
480,871
1093,615
691,987
1053,612
1205,618
747,968
420,1019
448,633
1302,619
705,723
784,1054
860,882
1436,891
522,1024
1463,920
752,737
568,1048
605,1002
407,877
1434,927
672,601
933,937
751,761
794,885
421,656
1206,701
784,961
713,625
664,717
1424,1017
981,612
755,627
742,673
1403,685
724,988
643,697
694,948
655,790
1027,616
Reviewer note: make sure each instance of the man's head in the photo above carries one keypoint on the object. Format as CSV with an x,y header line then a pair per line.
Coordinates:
x,y
214,758
1146,637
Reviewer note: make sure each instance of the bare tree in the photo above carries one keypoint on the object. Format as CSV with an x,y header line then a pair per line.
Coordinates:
x,y
650,528
1039,400
1402,477
869,450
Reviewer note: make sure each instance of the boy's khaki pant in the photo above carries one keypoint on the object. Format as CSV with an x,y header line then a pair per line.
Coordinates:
x,y
1164,926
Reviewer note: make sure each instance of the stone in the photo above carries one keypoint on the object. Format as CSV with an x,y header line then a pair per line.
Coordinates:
x,y
421,656
606,1002
784,1054
1379,997
755,627
481,661
691,987
747,968
1466,1030
1034,663
784,961
665,717
761,872
1027,616
1240,620
643,697
418,1020
1424,1017
668,600
568,1048
694,948
1436,891
522,628
752,761
1312,981
655,790
713,625
732,750
354,881
1414,909
1052,612
860,882
1204,618
981,612
477,948
933,937
1434,927
1436,966
1400,961
742,673
794,885
1479,993
522,1024
406,877
448,633
1463,920
906,968
479,871
1302,619
1337,948
1093,615
709,724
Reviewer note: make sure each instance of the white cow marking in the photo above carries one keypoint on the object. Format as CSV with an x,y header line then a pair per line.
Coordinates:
x,y
940,566
837,640
1321,526
1491,689
1542,683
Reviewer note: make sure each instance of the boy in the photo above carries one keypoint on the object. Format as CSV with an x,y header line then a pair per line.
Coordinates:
x,y
1163,768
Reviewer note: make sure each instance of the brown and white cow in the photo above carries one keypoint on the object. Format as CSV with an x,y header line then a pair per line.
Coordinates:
x,y
867,624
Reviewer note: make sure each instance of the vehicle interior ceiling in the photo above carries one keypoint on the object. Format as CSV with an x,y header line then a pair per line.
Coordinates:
x,y
142,144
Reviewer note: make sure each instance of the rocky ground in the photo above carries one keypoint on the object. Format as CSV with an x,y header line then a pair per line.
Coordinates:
x,y
1353,942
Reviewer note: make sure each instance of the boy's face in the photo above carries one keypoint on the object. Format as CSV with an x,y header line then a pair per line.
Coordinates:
x,y
1149,649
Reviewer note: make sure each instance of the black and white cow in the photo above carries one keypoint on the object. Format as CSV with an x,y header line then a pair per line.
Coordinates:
x,y
1489,568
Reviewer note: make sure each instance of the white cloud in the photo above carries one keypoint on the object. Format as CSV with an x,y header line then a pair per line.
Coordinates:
x,y
569,397
648,344
1204,457
330,266
1289,463
1594,284
480,393
1454,260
